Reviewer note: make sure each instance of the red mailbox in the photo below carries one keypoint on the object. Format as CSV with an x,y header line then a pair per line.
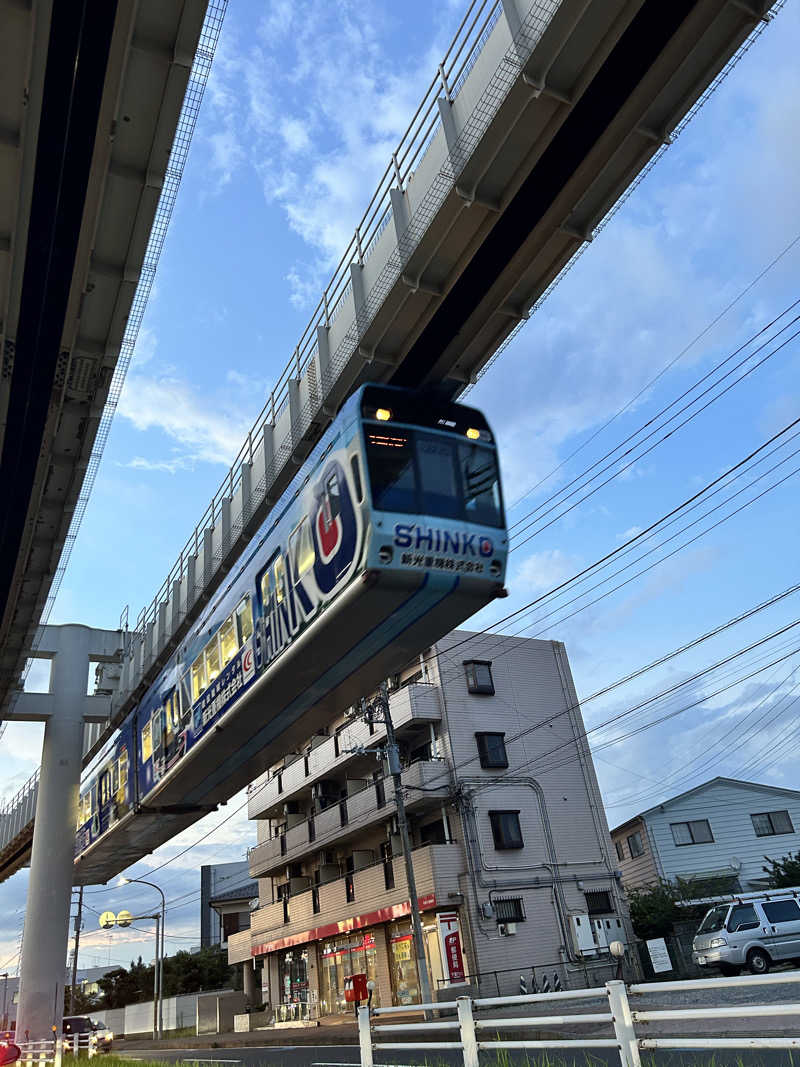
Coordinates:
x,y
355,988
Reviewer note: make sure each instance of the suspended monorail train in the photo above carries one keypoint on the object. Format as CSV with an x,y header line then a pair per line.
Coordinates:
x,y
391,535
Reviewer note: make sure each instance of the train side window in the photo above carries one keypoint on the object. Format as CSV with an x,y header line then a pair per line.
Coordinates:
x,y
354,467
147,742
157,727
244,614
173,712
167,723
266,589
103,789
227,640
198,677
186,697
123,768
279,576
93,796
114,775
212,660
301,549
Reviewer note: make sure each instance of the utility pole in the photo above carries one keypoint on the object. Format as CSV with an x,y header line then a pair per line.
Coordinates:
x,y
393,755
78,919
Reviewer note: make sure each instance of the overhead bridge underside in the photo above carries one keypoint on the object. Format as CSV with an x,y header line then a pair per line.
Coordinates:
x,y
559,110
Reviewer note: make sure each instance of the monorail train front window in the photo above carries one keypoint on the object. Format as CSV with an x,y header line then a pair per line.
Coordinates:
x,y
433,474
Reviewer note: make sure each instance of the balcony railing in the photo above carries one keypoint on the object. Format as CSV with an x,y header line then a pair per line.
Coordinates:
x,y
436,870
416,703
349,816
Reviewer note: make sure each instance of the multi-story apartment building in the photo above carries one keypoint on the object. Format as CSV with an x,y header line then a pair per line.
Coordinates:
x,y
510,844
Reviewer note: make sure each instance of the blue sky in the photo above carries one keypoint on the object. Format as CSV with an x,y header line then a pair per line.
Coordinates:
x,y
305,104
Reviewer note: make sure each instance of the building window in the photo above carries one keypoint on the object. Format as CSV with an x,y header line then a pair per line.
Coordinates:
x,y
769,823
506,829
315,900
479,676
491,750
618,845
508,909
696,832
635,845
598,902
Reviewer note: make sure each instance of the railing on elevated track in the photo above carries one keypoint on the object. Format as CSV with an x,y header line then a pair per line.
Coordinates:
x,y
474,31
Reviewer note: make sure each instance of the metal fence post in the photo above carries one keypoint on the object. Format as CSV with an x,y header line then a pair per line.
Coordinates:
x,y
466,1023
623,1024
364,1036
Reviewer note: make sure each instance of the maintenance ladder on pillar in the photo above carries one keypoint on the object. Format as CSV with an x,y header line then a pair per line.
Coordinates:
x,y
617,1016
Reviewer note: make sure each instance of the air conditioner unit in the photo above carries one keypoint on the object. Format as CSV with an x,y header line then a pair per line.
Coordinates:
x,y
329,872
364,857
298,885
507,929
354,785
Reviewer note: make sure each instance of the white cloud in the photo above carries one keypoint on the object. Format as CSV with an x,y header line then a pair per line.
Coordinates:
x,y
203,429
544,570
315,105
171,466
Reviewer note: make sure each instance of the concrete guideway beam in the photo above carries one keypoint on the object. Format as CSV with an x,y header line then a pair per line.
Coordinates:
x,y
44,947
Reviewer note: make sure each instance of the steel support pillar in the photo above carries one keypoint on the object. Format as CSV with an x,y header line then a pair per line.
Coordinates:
x,y
46,933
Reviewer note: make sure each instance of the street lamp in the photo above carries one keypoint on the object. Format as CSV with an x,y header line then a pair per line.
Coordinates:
x,y
140,881
124,918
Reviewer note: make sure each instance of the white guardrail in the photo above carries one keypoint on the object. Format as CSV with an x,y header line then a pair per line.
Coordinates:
x,y
619,1015
52,1050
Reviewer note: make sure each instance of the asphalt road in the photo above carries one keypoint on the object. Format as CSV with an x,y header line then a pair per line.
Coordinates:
x,y
309,1055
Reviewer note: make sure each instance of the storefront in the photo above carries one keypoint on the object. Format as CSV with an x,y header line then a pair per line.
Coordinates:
x,y
293,984
341,958
307,977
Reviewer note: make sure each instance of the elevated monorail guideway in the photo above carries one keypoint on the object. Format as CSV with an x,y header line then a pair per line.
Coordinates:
x,y
90,98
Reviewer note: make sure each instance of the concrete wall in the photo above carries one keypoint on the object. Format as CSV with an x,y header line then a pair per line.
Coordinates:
x,y
178,1012
728,806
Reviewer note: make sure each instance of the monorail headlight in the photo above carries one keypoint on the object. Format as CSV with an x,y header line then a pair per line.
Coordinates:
x,y
383,414
473,434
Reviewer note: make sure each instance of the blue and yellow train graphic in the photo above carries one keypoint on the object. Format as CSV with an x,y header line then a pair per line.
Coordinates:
x,y
392,534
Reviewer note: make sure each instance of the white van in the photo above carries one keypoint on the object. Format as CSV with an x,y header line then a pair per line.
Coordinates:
x,y
752,930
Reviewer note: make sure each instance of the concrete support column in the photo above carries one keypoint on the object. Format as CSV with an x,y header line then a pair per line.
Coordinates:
x,y
251,997
44,955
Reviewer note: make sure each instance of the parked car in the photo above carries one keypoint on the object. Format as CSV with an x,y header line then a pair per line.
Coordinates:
x,y
98,1033
754,930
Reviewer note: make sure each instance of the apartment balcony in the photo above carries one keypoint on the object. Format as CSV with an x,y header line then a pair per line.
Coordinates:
x,y
358,895
239,947
413,706
347,819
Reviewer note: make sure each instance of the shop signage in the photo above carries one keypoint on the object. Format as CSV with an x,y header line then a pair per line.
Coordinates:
x,y
401,946
449,928
345,926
